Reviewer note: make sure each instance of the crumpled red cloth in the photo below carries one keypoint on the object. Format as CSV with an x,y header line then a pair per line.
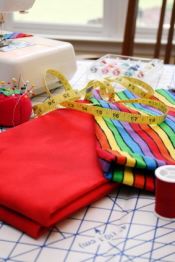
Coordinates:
x,y
48,170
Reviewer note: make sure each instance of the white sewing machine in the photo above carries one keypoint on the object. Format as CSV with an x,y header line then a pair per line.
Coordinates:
x,y
28,58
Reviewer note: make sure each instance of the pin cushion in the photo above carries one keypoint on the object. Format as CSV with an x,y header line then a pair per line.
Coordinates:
x,y
15,106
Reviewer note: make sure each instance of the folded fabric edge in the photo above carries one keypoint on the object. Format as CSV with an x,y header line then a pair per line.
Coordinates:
x,y
35,230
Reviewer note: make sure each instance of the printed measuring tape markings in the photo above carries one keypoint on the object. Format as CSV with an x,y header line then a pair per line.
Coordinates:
x,y
69,97
138,141
129,152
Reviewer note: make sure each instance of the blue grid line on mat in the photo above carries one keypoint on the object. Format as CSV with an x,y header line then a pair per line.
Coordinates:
x,y
113,251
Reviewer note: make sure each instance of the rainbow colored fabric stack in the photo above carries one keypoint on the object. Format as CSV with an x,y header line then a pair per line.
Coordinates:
x,y
15,35
129,152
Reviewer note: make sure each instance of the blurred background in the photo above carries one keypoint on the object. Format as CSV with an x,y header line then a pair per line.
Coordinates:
x,y
93,26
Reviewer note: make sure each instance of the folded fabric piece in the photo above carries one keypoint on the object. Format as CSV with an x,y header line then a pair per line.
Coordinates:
x,y
131,152
49,169
35,229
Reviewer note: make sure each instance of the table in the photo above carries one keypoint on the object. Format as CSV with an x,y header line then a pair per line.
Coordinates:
x,y
120,227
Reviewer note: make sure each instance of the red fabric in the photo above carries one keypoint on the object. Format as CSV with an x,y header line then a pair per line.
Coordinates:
x,y
35,229
21,35
14,109
49,169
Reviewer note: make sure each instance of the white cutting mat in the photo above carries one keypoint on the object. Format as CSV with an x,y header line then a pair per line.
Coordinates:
x,y
120,227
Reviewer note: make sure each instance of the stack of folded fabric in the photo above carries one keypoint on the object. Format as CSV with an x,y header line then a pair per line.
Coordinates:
x,y
15,35
49,169
131,152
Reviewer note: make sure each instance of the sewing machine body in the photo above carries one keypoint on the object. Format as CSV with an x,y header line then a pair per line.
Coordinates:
x,y
15,5
31,61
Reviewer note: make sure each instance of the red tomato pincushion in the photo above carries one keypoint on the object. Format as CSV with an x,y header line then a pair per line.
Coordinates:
x,y
15,108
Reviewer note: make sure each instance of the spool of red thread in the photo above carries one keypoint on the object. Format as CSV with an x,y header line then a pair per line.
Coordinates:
x,y
165,191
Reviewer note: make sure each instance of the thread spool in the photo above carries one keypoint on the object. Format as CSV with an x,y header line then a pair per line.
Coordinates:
x,y
165,192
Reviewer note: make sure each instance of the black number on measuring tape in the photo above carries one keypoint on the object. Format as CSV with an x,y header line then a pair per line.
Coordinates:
x,y
115,115
84,108
99,112
66,95
152,120
70,105
134,118
51,102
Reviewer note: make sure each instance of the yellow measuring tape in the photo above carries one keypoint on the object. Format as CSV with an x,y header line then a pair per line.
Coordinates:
x,y
70,96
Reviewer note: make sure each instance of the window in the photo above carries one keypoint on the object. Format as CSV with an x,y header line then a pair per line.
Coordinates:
x,y
88,19
95,18
149,11
64,12
148,18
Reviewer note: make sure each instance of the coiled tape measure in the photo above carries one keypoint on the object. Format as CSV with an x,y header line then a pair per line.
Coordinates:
x,y
70,96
